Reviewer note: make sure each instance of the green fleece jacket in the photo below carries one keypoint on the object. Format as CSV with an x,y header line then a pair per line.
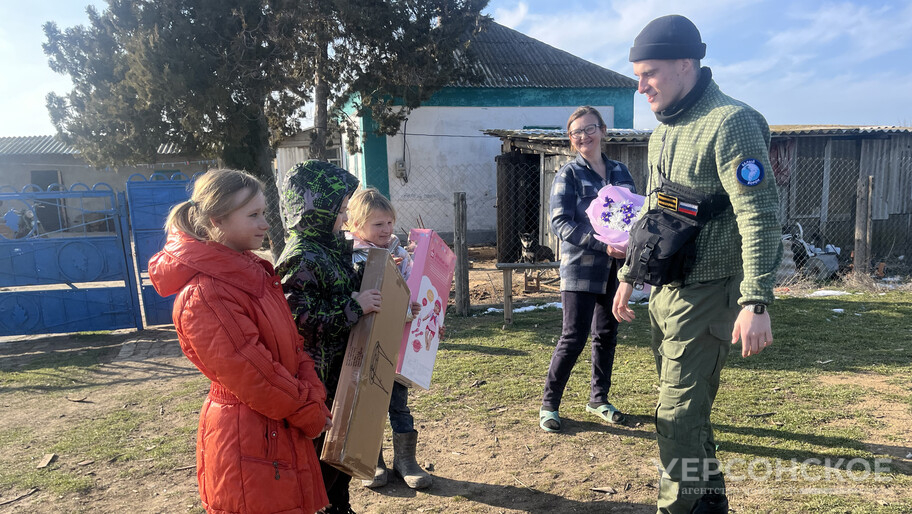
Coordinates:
x,y
706,147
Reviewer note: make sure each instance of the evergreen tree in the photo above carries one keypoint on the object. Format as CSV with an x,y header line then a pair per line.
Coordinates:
x,y
229,78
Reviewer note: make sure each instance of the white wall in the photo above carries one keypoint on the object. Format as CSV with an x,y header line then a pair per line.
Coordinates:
x,y
445,151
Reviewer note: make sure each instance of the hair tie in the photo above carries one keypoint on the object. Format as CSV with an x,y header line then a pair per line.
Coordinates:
x,y
191,203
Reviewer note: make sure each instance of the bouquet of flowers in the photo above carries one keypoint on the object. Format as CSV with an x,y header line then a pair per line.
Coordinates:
x,y
612,213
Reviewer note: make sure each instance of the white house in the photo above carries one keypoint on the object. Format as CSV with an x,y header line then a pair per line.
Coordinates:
x,y
441,148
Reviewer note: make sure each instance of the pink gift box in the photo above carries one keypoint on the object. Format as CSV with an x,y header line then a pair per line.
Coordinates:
x,y
608,206
429,283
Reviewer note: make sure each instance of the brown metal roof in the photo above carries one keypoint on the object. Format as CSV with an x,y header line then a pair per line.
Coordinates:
x,y
50,145
507,58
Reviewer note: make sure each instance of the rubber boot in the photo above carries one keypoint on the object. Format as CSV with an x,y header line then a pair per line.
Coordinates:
x,y
404,463
381,475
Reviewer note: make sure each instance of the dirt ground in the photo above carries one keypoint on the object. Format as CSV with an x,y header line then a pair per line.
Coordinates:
x,y
478,468
136,362
486,283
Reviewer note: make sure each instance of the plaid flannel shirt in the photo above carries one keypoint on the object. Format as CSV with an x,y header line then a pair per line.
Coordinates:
x,y
584,262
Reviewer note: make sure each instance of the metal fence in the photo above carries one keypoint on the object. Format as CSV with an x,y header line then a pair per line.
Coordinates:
x,y
423,198
819,212
503,202
828,214
65,261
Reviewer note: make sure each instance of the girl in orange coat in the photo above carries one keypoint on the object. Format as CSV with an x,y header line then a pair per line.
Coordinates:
x,y
254,450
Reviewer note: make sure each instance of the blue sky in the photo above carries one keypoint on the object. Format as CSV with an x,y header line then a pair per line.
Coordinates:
x,y
797,62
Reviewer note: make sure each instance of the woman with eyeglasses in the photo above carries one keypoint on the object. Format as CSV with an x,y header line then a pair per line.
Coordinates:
x,y
588,271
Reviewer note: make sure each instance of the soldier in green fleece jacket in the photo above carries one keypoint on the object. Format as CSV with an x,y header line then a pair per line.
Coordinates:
x,y
714,144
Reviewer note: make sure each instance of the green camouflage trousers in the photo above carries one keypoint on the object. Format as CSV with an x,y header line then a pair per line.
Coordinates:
x,y
691,336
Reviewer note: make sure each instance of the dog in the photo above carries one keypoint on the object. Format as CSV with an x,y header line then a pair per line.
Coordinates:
x,y
533,252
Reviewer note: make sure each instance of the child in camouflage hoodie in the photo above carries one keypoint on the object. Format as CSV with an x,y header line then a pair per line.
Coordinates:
x,y
320,282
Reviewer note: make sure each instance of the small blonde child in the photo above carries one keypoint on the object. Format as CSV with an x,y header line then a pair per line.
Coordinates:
x,y
371,218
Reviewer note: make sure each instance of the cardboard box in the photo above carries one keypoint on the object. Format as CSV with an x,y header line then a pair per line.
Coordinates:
x,y
362,398
430,282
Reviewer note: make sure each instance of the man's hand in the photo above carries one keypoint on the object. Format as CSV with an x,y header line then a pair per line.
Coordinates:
x,y
754,331
621,308
368,300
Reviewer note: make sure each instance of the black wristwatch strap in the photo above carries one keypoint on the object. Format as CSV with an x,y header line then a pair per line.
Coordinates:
x,y
756,308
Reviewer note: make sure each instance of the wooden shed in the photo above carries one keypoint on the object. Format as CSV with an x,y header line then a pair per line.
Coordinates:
x,y
818,170
526,169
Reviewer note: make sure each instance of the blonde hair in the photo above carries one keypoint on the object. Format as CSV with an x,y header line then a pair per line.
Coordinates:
x,y
364,203
212,198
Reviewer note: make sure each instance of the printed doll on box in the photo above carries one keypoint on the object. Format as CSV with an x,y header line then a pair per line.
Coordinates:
x,y
370,225
427,326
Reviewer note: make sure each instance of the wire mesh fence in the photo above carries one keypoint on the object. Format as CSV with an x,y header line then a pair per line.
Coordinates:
x,y
423,198
829,215
821,212
503,205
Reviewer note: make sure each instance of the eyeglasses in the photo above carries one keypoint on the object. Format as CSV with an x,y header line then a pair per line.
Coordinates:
x,y
588,130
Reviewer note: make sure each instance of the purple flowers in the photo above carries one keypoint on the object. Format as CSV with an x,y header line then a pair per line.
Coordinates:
x,y
612,213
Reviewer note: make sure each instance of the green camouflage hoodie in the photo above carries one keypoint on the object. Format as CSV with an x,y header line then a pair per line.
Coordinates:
x,y
316,266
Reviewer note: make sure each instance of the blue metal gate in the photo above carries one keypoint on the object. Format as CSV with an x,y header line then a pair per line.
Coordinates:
x,y
79,277
150,200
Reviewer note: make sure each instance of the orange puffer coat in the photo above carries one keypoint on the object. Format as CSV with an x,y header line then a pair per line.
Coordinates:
x,y
254,452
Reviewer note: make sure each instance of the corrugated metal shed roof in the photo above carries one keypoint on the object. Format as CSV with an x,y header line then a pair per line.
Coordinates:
x,y
29,145
50,145
507,58
168,149
559,137
840,130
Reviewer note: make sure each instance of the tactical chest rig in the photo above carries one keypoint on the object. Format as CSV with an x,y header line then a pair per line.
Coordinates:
x,y
662,247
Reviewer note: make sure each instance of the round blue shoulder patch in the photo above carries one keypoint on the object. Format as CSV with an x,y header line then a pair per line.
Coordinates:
x,y
750,172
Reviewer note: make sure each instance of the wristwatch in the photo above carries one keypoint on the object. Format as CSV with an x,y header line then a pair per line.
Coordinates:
x,y
756,308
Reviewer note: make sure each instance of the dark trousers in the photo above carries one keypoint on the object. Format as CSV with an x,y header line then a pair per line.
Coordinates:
x,y
336,482
400,416
583,313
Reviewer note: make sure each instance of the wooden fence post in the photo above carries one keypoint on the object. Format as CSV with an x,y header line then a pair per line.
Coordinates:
x,y
461,248
861,263
869,217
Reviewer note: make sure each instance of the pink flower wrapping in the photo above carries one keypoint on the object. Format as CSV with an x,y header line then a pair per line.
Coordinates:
x,y
612,213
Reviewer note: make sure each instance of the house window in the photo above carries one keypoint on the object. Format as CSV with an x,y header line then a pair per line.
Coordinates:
x,y
334,155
